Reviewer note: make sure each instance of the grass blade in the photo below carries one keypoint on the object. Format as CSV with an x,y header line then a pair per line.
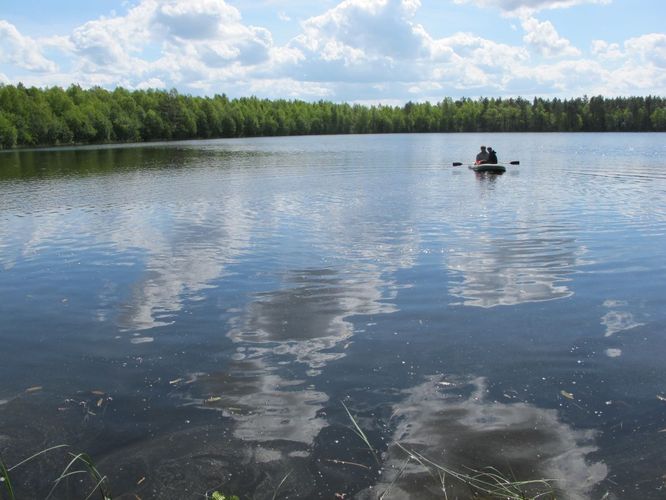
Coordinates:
x,y
490,481
280,485
36,455
6,481
359,432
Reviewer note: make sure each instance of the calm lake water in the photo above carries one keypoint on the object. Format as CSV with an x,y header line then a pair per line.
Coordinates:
x,y
198,315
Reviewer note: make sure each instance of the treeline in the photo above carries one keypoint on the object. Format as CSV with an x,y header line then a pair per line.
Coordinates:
x,y
55,116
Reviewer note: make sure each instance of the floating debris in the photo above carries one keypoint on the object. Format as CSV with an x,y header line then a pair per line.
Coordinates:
x,y
212,399
175,381
142,340
141,480
567,395
343,462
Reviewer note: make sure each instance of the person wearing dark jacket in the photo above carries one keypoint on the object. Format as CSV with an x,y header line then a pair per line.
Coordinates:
x,y
482,157
492,155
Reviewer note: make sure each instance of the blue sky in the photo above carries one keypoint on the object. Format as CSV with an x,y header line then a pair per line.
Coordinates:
x,y
388,51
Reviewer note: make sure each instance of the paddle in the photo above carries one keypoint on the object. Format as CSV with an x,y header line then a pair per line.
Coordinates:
x,y
459,164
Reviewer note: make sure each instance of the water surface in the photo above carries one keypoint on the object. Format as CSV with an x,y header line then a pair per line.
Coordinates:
x,y
194,315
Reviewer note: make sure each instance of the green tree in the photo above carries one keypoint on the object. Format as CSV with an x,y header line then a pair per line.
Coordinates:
x,y
8,133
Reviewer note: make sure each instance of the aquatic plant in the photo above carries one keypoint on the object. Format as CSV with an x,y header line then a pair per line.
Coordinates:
x,y
219,496
76,459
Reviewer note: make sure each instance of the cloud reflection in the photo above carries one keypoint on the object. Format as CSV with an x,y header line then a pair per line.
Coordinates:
x,y
514,270
181,261
264,405
452,424
617,320
306,320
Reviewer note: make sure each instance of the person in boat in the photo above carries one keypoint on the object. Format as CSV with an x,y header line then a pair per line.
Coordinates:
x,y
482,157
492,156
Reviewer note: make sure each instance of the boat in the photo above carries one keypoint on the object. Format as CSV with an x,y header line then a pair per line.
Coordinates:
x,y
488,168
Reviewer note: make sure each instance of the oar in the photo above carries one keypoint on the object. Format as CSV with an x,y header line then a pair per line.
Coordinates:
x,y
459,164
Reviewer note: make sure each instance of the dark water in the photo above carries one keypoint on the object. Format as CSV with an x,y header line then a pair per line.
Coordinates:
x,y
194,315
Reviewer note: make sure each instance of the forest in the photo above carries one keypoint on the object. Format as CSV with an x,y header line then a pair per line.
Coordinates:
x,y
31,116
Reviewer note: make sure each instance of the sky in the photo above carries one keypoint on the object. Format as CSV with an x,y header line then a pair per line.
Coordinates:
x,y
364,51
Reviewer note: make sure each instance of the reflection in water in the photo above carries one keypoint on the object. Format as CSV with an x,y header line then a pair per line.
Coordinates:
x,y
306,321
617,320
184,247
452,424
183,260
264,405
265,256
508,271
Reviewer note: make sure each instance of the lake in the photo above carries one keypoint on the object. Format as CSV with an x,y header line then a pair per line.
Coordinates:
x,y
336,317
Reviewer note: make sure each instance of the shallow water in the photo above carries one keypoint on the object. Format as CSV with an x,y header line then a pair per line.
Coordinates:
x,y
194,315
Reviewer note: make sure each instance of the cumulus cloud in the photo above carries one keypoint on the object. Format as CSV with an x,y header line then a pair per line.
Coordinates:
x,y
360,41
111,45
196,20
473,49
357,50
22,51
605,50
636,66
378,42
370,27
650,49
152,83
197,43
542,37
529,6
213,30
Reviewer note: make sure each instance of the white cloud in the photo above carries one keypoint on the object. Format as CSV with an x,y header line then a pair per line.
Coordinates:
x,y
377,41
289,88
472,49
212,31
358,50
22,51
530,6
569,77
112,45
543,38
197,43
152,83
374,28
196,19
650,49
636,66
606,51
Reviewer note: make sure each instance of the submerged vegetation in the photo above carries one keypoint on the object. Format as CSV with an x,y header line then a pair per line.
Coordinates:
x,y
80,477
55,116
